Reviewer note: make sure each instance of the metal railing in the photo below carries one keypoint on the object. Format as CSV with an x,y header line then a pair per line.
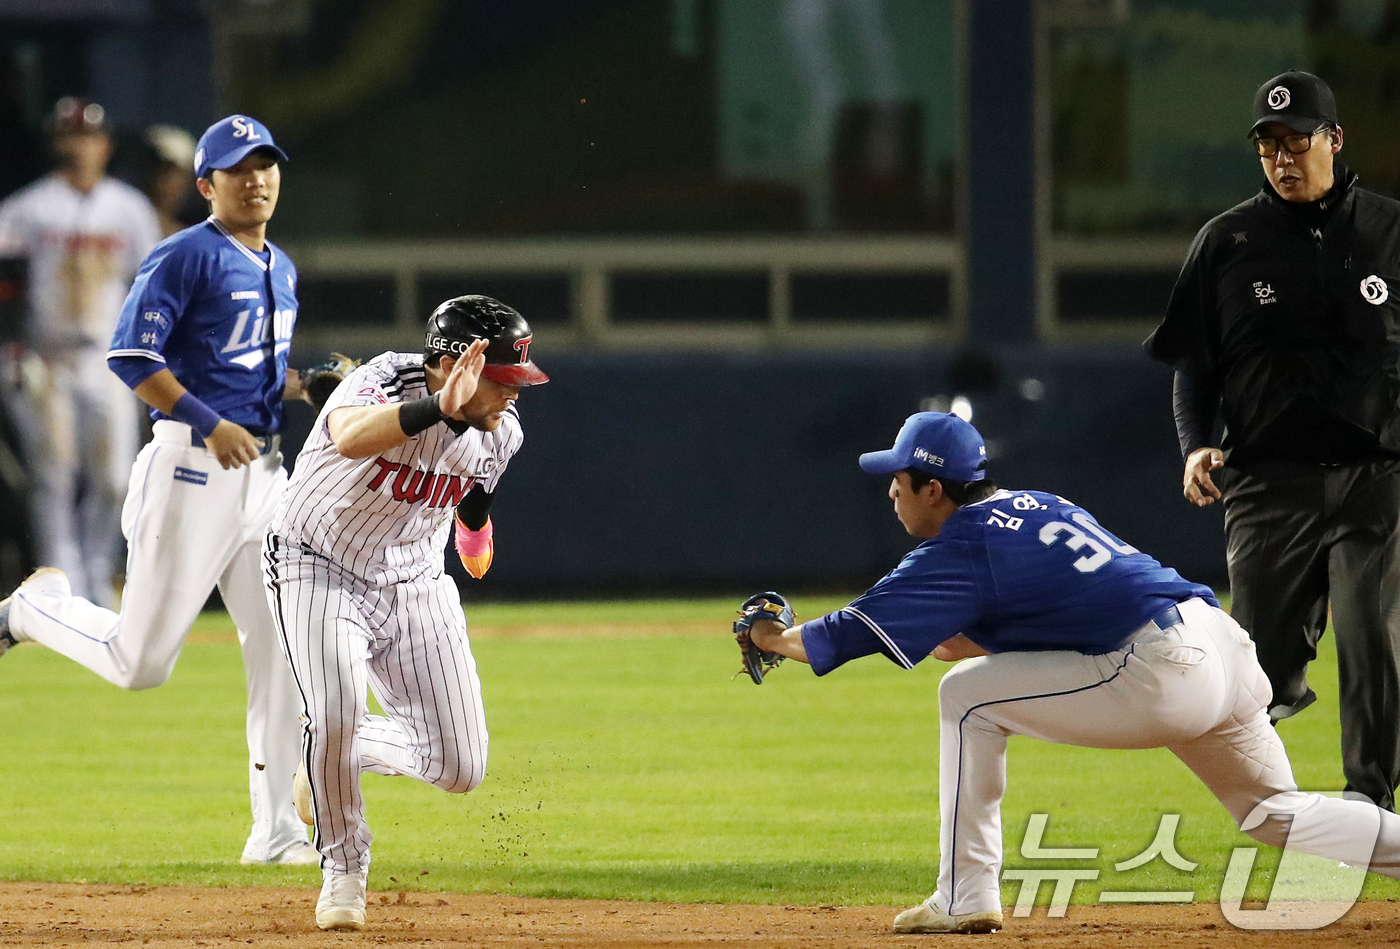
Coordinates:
x,y
591,265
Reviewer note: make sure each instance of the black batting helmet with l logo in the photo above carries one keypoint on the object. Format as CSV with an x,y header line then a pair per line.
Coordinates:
x,y
456,323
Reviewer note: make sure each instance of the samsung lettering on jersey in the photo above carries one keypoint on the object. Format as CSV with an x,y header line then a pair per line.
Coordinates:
x,y
414,484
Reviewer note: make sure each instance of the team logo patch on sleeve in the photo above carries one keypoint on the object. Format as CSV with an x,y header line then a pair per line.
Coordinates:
x,y
191,476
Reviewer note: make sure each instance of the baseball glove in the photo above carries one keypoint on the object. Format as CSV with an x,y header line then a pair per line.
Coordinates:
x,y
759,662
318,382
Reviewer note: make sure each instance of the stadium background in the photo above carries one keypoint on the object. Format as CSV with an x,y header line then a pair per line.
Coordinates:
x,y
751,235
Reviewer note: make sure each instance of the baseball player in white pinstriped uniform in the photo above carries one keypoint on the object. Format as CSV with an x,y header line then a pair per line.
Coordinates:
x,y
354,571
84,235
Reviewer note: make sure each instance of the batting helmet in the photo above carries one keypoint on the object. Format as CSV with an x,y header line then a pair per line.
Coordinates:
x,y
456,323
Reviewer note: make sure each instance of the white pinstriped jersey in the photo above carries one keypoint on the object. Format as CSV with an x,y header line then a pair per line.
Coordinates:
x,y
386,518
83,250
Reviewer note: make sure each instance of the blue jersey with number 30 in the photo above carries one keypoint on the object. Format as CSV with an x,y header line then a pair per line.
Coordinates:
x,y
1020,571
217,315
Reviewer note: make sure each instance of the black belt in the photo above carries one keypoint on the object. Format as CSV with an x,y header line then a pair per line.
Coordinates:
x,y
266,443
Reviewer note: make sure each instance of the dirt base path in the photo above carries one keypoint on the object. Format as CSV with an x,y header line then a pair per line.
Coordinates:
x,y
177,916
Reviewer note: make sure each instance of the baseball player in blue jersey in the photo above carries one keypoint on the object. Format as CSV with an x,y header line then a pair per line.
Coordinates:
x,y
203,339
1071,636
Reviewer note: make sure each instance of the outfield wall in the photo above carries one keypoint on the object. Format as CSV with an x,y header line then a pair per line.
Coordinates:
x,y
673,472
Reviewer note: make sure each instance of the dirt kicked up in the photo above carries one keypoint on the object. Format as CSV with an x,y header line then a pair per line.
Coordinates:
x,y
177,916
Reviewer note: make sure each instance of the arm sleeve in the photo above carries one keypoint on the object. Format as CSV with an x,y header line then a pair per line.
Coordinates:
x,y
133,370
475,508
1195,402
163,288
929,597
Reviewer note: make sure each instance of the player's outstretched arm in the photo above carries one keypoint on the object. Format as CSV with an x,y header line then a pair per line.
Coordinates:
x,y
232,444
770,636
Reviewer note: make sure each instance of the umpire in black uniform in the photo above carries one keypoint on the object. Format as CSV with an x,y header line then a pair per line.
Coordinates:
x,y
1285,323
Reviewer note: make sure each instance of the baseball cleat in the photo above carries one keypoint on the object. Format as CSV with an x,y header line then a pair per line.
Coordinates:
x,y
7,638
342,901
929,919
301,796
299,853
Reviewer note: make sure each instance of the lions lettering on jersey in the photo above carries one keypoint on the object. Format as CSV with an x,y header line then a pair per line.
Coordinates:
x,y
254,339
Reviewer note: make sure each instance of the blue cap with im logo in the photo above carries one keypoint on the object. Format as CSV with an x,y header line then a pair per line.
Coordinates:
x,y
936,443
228,141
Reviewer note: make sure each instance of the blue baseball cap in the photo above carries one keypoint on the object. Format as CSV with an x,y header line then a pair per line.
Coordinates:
x,y
935,443
228,141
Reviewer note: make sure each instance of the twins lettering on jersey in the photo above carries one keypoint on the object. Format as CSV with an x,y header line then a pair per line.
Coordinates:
x,y
414,484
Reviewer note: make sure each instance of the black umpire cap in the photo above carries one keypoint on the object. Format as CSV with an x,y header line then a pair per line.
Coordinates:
x,y
456,323
1299,100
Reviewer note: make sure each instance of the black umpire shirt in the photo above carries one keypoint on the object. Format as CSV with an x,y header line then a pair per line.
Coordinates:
x,y
1289,315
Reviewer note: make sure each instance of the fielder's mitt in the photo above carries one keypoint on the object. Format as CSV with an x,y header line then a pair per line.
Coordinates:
x,y
759,662
318,382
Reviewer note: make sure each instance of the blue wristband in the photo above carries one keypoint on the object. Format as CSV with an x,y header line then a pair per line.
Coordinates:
x,y
196,415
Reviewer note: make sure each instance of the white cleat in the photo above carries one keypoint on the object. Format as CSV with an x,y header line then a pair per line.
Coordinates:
x,y
8,638
301,796
925,918
299,853
342,901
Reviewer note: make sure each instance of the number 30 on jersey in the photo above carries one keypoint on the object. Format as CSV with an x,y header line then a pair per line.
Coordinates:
x,y
1098,549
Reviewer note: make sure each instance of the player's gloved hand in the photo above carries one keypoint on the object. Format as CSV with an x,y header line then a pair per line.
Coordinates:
x,y
760,606
476,548
233,445
318,382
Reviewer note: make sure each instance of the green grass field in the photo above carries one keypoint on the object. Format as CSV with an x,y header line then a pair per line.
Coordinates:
x,y
625,763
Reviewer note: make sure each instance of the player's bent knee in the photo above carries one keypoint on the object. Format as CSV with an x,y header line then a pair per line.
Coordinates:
x,y
459,772
1273,831
461,780
1270,820
957,689
145,677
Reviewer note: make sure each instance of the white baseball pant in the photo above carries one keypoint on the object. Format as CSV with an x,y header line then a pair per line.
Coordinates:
x,y
408,642
1194,688
190,525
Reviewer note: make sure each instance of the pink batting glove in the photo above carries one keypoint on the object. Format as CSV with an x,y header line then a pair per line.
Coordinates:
x,y
476,548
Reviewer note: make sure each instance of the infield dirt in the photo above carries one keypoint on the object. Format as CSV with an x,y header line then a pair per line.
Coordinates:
x,y
70,914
